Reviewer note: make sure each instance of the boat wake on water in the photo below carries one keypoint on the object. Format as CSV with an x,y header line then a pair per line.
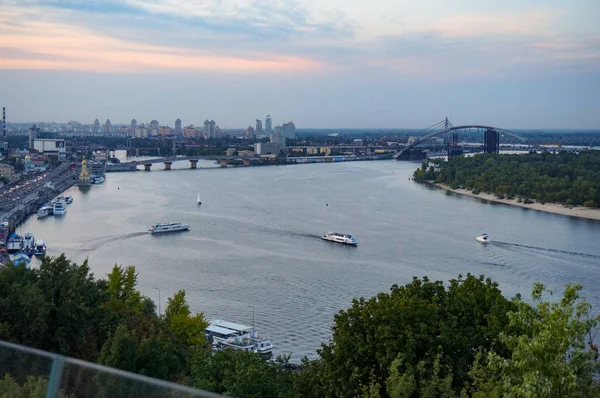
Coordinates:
x,y
106,239
544,249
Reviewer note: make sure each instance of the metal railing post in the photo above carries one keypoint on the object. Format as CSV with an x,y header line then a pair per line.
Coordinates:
x,y
55,376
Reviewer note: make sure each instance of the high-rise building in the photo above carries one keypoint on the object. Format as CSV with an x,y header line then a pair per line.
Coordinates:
x,y
96,128
212,130
154,128
288,130
107,127
268,125
249,132
206,128
133,127
258,130
178,130
33,134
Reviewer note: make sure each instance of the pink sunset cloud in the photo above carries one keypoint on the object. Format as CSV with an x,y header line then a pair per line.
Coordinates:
x,y
67,47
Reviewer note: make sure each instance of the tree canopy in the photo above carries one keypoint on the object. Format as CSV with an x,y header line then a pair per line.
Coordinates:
x,y
566,178
422,339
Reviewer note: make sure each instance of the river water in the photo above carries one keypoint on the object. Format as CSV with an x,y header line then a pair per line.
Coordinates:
x,y
255,240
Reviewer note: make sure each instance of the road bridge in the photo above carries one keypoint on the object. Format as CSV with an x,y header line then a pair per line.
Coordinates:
x,y
168,161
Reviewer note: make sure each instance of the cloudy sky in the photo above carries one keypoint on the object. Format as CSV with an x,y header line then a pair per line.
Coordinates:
x,y
320,63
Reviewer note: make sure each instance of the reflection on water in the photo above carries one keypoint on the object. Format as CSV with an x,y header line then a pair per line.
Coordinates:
x,y
256,240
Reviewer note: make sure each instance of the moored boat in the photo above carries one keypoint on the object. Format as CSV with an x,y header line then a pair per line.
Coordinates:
x,y
223,335
28,243
336,237
45,211
14,243
68,199
97,179
59,208
160,227
21,258
40,248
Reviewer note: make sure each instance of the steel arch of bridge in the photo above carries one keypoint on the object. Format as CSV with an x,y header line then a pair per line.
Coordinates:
x,y
465,127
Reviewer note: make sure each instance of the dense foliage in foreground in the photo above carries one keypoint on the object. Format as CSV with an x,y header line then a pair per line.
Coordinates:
x,y
423,339
566,178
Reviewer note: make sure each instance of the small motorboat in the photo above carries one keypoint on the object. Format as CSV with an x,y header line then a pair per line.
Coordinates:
x,y
198,200
483,238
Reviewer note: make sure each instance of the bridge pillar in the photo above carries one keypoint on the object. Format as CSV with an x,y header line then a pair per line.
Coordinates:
x,y
246,162
193,163
168,165
223,162
147,167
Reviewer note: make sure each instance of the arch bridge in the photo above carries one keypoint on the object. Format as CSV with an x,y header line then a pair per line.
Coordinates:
x,y
445,127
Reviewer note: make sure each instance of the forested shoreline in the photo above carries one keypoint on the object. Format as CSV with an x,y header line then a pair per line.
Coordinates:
x,y
565,178
422,339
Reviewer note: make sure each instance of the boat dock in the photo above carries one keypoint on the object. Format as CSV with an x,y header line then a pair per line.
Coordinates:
x,y
16,212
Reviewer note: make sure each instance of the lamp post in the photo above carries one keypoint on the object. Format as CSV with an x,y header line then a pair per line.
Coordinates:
x,y
158,299
253,333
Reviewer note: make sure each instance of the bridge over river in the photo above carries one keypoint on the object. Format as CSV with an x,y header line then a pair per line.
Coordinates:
x,y
168,161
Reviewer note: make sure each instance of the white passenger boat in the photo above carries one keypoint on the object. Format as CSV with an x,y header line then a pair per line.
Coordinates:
x,y
168,227
340,238
28,243
59,208
97,180
45,211
14,243
223,335
40,248
68,199
483,238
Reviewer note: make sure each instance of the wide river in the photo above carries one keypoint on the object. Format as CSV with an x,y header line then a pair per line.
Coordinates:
x,y
255,240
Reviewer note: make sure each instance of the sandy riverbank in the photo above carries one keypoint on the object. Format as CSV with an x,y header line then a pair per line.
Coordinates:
x,y
577,211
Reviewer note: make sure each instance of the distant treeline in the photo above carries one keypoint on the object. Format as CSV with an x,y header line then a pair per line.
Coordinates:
x,y
566,178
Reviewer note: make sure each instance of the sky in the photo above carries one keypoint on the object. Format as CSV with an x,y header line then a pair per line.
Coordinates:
x,y
320,63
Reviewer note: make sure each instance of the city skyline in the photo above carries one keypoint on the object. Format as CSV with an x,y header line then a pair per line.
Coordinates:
x,y
382,64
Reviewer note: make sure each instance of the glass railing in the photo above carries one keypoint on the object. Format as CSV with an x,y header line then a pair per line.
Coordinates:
x,y
32,373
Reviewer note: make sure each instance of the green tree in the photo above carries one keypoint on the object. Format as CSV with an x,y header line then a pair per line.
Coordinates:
x,y
188,330
55,308
241,374
566,178
121,289
34,387
554,357
411,328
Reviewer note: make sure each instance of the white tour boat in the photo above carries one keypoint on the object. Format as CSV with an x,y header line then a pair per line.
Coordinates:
x,y
40,248
59,208
45,211
14,243
28,243
160,227
340,238
223,334
483,238
97,180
